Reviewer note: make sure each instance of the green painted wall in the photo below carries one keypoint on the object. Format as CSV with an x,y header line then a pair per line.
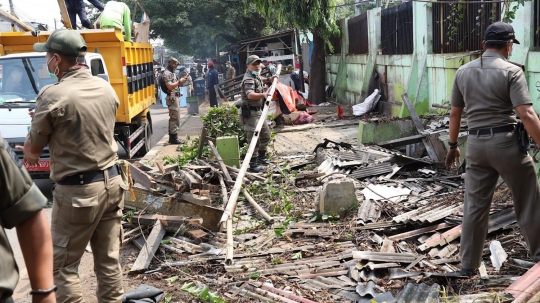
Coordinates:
x,y
426,77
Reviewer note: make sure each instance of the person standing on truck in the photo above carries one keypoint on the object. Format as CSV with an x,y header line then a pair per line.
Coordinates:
x,y
212,80
21,206
77,7
173,99
115,15
492,88
75,118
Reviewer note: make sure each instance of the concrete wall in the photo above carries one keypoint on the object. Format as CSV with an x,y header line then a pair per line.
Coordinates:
x,y
426,77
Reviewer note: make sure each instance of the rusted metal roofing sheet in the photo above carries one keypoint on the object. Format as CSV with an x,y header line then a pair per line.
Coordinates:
x,y
526,287
419,293
418,232
442,239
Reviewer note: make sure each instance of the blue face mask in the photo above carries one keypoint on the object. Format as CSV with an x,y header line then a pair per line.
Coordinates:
x,y
255,73
52,75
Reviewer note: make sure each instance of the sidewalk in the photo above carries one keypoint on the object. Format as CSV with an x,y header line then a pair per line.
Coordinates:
x,y
190,127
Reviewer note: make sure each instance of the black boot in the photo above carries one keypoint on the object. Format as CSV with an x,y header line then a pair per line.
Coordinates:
x,y
261,159
173,139
254,167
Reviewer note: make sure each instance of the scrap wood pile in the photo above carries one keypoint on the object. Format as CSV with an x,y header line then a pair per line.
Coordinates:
x,y
340,224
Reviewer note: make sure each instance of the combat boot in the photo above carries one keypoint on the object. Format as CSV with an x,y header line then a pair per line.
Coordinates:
x,y
261,159
254,167
173,139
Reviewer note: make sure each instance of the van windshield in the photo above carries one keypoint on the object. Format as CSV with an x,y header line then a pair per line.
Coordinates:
x,y
21,79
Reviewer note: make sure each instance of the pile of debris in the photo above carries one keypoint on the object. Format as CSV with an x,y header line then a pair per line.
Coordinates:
x,y
347,224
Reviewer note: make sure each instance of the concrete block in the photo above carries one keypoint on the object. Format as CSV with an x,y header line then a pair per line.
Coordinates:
x,y
228,150
337,197
376,132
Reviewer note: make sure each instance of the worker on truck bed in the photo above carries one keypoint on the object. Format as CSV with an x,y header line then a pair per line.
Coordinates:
x,y
115,15
76,7
75,118
21,204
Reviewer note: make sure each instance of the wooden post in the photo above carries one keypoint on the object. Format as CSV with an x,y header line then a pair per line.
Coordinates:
x,y
202,139
257,206
233,199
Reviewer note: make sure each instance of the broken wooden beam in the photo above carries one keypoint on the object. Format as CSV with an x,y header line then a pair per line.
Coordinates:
x,y
171,223
419,127
198,235
202,139
151,246
141,177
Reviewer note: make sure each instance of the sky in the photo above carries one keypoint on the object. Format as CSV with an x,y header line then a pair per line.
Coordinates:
x,y
42,11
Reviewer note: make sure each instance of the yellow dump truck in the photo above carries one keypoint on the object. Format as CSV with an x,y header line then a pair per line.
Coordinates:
x,y
127,66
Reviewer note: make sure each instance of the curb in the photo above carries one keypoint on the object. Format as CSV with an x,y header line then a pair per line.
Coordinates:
x,y
152,153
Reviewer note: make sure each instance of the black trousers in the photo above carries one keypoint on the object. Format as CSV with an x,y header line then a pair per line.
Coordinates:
x,y
213,98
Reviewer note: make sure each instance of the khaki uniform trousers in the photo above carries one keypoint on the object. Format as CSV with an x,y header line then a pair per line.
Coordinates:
x,y
489,157
82,214
250,124
173,103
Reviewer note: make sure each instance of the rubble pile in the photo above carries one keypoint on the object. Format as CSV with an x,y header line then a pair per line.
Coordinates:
x,y
342,224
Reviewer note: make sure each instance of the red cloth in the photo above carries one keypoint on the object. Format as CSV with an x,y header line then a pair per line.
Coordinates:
x,y
288,95
339,112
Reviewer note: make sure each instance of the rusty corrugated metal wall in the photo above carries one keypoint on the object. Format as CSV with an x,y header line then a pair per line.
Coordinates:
x,y
537,23
397,30
358,35
460,27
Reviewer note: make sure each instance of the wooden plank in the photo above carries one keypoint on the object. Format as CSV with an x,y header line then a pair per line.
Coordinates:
x,y
14,20
166,220
419,127
195,199
141,177
198,235
151,246
437,145
64,14
220,161
202,139
402,141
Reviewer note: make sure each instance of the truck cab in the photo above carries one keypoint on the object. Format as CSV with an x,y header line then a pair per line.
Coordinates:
x,y
22,76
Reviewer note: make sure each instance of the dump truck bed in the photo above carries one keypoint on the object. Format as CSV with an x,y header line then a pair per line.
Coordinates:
x,y
129,65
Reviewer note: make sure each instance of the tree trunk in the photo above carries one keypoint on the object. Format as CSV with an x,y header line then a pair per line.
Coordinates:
x,y
317,73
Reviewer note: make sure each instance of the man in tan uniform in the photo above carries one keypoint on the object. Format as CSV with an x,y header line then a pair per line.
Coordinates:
x,y
21,205
492,88
173,99
253,97
76,118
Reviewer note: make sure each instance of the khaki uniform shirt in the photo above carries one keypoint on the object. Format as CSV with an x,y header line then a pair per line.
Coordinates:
x,y
251,84
231,72
170,78
19,200
76,118
490,88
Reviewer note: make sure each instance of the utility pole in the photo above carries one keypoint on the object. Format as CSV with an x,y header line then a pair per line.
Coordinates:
x,y
12,9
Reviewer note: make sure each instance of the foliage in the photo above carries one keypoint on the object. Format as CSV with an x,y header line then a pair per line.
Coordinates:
x,y
202,293
168,298
223,121
510,8
188,153
172,279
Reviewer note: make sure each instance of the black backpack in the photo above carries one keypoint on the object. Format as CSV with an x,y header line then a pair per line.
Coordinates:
x,y
162,84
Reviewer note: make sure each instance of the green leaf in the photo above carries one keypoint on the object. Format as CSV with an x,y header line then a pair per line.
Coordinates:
x,y
277,261
278,232
167,299
255,275
172,279
167,241
297,255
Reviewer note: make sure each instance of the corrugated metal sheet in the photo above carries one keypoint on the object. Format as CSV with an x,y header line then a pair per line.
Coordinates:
x,y
369,212
501,219
397,30
372,170
419,293
526,287
358,35
456,28
367,288
431,212
418,232
383,257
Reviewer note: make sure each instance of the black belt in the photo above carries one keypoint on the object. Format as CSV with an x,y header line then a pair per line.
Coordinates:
x,y
174,94
489,131
89,176
255,108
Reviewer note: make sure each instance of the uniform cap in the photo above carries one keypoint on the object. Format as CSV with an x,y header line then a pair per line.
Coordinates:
x,y
210,64
173,60
500,31
63,41
252,59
